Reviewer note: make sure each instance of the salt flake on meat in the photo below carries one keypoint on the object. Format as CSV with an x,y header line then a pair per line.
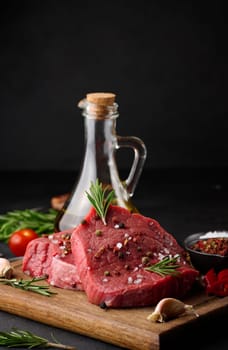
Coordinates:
x,y
119,245
138,281
130,280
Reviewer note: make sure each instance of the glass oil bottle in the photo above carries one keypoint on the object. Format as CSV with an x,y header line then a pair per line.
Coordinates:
x,y
100,112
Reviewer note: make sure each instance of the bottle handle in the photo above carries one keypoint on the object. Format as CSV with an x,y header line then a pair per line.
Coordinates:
x,y
140,153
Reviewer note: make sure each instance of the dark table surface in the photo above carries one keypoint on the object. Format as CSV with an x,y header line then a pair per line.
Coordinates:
x,y
183,201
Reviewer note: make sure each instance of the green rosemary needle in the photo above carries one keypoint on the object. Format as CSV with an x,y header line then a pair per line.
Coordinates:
x,y
28,285
100,198
21,338
40,222
166,266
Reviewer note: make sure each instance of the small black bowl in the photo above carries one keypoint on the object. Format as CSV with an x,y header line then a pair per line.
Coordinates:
x,y
203,262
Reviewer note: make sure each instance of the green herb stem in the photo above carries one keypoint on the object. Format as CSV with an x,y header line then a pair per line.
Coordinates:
x,y
21,338
28,285
100,198
166,266
40,222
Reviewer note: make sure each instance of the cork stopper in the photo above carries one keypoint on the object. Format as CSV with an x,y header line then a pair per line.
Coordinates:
x,y
101,98
98,105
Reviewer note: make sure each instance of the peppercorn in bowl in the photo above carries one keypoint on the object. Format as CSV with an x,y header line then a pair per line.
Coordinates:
x,y
208,250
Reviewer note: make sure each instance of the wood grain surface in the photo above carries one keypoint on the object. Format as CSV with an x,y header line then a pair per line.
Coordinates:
x,y
128,328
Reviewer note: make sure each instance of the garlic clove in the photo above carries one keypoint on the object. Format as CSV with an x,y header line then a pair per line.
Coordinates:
x,y
6,270
169,308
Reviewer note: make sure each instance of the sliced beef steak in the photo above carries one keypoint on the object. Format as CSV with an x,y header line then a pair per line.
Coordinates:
x,y
52,257
111,260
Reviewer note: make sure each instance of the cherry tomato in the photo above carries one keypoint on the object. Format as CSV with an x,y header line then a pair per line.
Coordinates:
x,y
19,240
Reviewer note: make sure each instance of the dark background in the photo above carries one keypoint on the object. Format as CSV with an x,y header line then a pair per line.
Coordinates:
x,y
165,61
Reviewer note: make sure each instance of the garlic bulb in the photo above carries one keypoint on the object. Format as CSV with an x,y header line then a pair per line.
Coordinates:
x,y
6,269
169,308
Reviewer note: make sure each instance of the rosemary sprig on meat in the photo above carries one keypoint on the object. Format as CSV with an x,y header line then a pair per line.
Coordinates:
x,y
28,285
100,199
21,338
166,266
40,222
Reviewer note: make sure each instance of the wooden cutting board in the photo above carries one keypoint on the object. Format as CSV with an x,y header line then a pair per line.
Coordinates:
x,y
128,328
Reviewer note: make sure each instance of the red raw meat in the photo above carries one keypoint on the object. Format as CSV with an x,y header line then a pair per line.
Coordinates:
x,y
52,257
111,260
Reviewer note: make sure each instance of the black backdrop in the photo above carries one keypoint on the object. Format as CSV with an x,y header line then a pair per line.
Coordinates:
x,y
165,61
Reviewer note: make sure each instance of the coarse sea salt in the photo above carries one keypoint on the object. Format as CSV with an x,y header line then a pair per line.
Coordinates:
x,y
130,280
119,245
215,234
138,281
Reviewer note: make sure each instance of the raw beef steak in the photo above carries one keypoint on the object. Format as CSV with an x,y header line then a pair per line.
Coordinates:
x,y
111,260
52,257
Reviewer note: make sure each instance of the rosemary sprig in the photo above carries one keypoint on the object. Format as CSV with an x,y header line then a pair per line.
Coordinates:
x,y
28,285
166,266
41,222
21,338
100,199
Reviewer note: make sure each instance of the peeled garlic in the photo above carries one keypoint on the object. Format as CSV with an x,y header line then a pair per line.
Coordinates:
x,y
169,308
6,269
